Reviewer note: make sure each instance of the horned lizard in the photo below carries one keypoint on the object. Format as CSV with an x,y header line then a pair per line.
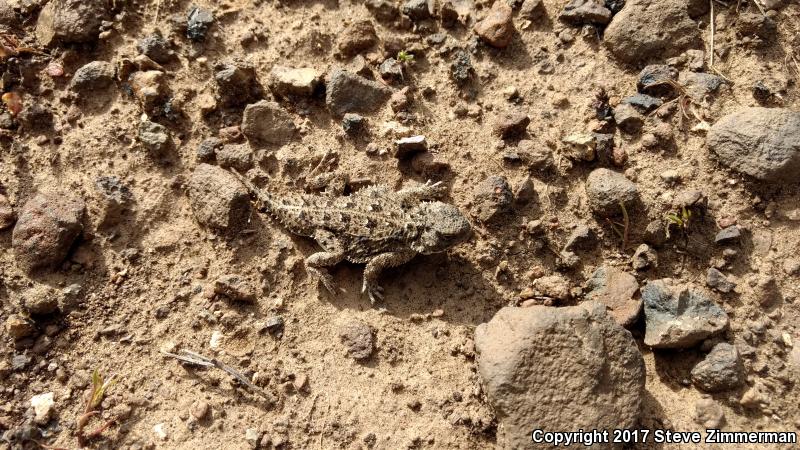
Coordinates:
x,y
374,226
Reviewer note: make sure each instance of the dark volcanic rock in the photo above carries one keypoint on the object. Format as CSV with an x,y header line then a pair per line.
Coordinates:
x,y
654,80
679,316
643,103
720,370
48,226
347,92
237,83
198,22
93,76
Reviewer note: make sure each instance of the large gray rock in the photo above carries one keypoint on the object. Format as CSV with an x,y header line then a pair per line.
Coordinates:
x,y
679,316
761,142
720,370
606,189
646,29
48,225
219,201
559,369
348,92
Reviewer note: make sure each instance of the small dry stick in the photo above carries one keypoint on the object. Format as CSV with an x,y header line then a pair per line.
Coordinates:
x,y
711,56
190,357
627,223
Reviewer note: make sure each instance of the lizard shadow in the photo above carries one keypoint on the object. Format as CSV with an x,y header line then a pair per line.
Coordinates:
x,y
446,282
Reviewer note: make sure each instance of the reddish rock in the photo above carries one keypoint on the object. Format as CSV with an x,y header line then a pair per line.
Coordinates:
x,y
497,29
48,225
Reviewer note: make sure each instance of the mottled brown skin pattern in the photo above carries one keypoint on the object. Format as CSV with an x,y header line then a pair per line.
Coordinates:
x,y
375,226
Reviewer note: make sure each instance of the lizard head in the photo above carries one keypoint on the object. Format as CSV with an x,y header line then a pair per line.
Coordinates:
x,y
440,226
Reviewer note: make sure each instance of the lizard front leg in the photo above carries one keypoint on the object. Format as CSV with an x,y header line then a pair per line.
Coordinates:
x,y
416,194
374,268
318,263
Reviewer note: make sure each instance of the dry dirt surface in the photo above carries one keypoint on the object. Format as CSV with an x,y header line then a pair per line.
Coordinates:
x,y
630,170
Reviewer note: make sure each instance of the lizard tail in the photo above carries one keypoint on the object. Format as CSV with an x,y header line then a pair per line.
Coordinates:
x,y
262,197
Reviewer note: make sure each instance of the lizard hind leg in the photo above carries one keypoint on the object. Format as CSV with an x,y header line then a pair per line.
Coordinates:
x,y
317,264
374,268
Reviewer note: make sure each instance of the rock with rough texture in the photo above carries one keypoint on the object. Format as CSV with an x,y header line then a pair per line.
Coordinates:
x,y
218,200
761,142
198,22
717,280
698,84
70,21
628,118
150,89
155,138
720,370
155,47
285,81
7,215
580,12
237,83
643,102
235,288
113,199
19,327
356,38
511,124
645,30
42,405
418,9
92,77
617,290
644,258
347,92
566,368
497,29
656,79
607,189
679,316
48,226
237,156
359,339
492,197
267,122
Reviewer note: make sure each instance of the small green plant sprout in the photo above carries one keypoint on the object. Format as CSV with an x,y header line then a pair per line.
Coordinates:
x,y
94,397
681,219
405,57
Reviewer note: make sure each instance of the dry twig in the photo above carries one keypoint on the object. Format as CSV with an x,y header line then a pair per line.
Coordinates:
x,y
192,358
